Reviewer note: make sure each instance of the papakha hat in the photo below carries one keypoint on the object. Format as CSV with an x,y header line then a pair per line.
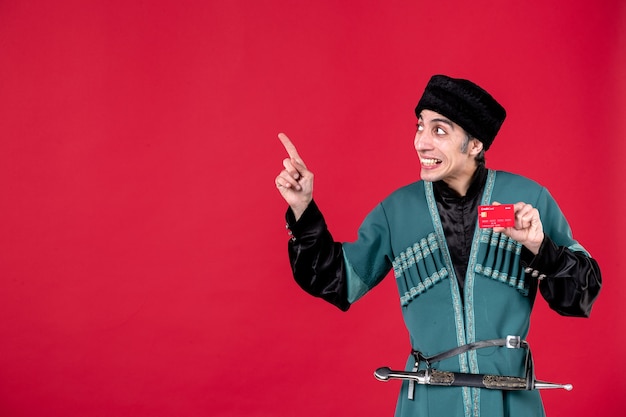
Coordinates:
x,y
466,104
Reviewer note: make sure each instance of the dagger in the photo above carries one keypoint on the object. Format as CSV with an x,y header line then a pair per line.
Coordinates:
x,y
457,379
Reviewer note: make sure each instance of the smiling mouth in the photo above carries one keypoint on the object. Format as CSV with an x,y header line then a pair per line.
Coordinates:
x,y
429,162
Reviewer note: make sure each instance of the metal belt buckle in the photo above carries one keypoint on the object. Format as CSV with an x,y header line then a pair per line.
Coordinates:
x,y
513,342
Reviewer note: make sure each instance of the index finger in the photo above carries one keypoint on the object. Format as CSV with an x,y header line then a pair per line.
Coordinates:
x,y
289,146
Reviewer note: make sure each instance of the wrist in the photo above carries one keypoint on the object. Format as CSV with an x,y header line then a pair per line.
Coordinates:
x,y
535,245
299,209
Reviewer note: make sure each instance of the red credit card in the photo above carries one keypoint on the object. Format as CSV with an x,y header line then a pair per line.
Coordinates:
x,y
496,216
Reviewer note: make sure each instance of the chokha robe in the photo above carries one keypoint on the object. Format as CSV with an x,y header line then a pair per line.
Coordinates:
x,y
404,234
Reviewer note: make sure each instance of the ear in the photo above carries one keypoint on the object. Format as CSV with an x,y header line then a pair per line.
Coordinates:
x,y
475,147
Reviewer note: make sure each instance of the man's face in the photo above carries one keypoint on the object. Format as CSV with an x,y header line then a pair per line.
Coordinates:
x,y
439,143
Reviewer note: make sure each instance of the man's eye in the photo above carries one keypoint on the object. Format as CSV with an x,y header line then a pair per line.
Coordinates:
x,y
440,131
420,128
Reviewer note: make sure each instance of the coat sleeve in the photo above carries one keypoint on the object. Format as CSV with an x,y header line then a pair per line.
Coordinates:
x,y
317,261
570,281
569,278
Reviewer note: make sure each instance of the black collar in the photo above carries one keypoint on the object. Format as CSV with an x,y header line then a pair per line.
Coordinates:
x,y
476,186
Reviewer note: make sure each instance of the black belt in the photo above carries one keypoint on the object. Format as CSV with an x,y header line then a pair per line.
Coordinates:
x,y
511,342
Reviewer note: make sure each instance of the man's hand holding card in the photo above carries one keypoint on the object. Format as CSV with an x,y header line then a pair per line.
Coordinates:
x,y
519,221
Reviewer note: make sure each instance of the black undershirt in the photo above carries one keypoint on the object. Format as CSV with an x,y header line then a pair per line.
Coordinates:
x,y
458,218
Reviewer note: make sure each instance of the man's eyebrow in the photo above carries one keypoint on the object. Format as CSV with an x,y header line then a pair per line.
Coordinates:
x,y
438,119
445,121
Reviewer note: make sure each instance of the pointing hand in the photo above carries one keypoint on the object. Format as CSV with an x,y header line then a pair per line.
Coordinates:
x,y
295,181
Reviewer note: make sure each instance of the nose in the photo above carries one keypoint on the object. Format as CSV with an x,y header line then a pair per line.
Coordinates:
x,y
422,142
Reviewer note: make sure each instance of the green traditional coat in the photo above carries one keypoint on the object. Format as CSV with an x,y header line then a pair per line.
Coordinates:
x,y
404,232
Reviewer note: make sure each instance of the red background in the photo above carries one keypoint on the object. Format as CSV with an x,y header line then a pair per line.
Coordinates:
x,y
142,245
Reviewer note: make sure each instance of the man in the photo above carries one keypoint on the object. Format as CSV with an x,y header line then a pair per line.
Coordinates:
x,y
461,287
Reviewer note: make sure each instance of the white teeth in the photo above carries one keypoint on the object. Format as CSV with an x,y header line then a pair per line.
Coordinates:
x,y
430,161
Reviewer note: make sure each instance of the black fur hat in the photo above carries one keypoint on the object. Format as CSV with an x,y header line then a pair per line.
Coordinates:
x,y
466,104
